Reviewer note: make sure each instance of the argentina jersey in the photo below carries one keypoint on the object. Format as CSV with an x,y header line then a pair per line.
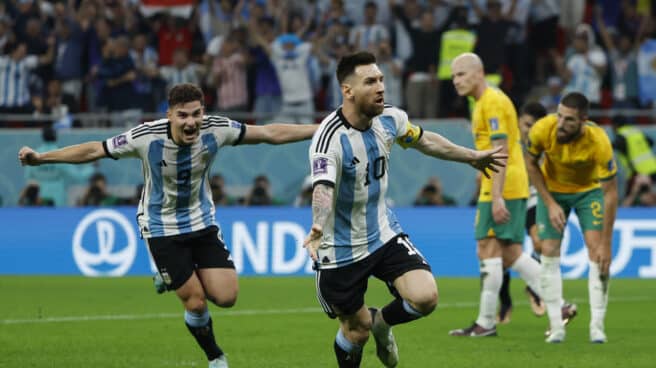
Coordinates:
x,y
356,164
177,197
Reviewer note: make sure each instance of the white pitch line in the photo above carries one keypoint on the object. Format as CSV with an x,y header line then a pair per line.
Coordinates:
x,y
252,312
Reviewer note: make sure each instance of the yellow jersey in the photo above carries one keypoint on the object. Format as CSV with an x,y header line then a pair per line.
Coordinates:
x,y
576,166
495,117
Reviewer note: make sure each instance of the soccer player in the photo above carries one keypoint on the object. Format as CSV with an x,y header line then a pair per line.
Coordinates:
x,y
354,234
577,172
530,113
176,213
501,208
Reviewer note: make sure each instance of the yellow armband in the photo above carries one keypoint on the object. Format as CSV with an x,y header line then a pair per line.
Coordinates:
x,y
411,136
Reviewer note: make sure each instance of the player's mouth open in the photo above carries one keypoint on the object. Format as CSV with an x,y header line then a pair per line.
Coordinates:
x,y
189,131
380,101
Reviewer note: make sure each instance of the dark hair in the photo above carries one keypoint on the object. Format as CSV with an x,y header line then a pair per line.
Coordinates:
x,y
535,110
185,93
575,100
48,134
347,64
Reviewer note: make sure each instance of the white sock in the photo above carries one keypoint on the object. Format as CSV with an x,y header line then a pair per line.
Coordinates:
x,y
529,270
598,292
491,279
552,290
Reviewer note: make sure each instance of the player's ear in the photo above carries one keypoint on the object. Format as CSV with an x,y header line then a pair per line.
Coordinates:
x,y
347,91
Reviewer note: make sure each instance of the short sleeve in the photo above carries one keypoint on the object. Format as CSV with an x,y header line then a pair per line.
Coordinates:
x,y
407,134
536,138
227,132
497,121
606,166
31,61
124,144
324,161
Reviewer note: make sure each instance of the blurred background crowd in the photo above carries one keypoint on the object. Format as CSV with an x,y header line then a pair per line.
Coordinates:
x,y
71,62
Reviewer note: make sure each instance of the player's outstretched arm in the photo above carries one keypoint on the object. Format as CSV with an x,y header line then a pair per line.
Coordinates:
x,y
609,187
435,145
322,205
76,154
278,133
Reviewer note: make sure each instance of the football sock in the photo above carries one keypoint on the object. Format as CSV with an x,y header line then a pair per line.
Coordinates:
x,y
529,270
349,355
399,311
598,293
504,292
552,290
200,326
491,278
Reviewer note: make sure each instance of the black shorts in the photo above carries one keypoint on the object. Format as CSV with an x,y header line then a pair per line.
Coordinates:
x,y
341,290
178,256
530,218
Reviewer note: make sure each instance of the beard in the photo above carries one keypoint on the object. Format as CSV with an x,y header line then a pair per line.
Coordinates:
x,y
370,110
567,137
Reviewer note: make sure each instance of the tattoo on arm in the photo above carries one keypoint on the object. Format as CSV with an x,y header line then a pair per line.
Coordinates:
x,y
322,204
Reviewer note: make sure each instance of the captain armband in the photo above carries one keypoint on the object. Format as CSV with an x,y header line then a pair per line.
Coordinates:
x,y
412,135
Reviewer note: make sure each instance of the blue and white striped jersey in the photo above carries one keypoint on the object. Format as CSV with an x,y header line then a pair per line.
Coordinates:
x,y
356,163
177,198
14,80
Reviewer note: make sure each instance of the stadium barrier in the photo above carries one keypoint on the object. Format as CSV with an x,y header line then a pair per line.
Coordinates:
x,y
268,241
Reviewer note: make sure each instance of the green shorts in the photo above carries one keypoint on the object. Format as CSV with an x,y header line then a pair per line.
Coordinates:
x,y
512,230
589,207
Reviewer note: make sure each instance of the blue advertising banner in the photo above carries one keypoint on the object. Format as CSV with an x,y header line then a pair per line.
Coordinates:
x,y
268,241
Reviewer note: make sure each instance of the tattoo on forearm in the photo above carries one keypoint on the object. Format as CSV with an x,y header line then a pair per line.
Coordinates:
x,y
322,203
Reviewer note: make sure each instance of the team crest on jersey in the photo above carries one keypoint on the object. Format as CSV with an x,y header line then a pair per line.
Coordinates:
x,y
319,166
119,140
494,123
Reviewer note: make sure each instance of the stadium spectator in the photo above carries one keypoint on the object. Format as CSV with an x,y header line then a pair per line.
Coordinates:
x,y
392,69
15,68
117,74
219,195
147,85
544,35
304,197
68,62
181,71
267,94
229,72
97,194
422,85
491,32
351,239
584,66
260,193
172,34
369,34
554,94
634,151
173,171
641,193
30,196
622,51
431,194
501,208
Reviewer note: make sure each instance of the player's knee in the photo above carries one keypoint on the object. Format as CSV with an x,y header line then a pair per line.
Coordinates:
x,y
225,298
359,334
196,304
426,302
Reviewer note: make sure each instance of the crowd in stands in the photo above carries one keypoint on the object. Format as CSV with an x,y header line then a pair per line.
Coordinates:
x,y
259,60
276,58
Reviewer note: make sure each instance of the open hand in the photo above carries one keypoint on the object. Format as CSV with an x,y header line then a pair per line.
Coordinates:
x,y
313,241
490,159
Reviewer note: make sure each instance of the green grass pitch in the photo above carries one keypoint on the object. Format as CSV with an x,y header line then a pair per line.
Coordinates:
x,y
121,322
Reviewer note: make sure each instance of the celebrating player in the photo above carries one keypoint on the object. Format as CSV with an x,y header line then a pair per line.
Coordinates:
x,y
176,213
354,235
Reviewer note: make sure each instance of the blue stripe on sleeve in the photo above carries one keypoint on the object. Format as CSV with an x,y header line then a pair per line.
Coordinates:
x,y
388,124
156,199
